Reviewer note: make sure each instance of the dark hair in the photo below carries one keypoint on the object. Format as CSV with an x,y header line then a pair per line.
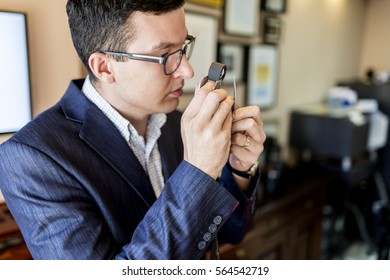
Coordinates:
x,y
104,24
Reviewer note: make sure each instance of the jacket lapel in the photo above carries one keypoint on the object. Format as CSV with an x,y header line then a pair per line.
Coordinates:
x,y
102,135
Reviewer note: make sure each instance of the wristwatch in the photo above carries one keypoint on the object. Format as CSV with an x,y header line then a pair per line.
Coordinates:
x,y
245,174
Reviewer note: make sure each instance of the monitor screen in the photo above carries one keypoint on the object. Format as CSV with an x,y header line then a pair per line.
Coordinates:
x,y
15,99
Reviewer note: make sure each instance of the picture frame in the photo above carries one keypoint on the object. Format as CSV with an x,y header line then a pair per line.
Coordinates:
x,y
274,6
211,3
262,75
272,32
205,29
242,17
233,56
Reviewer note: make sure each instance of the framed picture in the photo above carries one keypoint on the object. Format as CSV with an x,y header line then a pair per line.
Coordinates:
x,y
212,3
274,6
262,75
272,30
232,56
204,28
242,17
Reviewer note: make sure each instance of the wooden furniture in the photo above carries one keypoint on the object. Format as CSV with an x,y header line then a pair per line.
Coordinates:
x,y
12,246
286,228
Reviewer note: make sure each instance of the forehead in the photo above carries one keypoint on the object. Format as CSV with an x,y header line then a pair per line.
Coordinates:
x,y
157,30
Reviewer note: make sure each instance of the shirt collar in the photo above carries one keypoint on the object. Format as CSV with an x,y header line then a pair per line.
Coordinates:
x,y
156,121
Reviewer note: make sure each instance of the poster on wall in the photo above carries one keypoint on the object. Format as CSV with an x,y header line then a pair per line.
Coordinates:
x,y
204,28
15,100
262,76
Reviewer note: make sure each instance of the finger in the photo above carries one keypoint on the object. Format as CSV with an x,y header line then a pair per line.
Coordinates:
x,y
239,139
246,157
246,142
212,104
227,125
247,112
223,114
207,87
198,99
250,126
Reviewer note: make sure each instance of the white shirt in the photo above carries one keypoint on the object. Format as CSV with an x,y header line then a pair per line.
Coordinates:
x,y
147,152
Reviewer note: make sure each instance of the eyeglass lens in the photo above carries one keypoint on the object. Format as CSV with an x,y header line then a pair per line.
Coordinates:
x,y
173,60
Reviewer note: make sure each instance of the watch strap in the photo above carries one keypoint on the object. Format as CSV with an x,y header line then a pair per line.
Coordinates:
x,y
248,174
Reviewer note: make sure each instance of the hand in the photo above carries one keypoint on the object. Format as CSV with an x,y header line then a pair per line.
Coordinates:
x,y
206,129
247,138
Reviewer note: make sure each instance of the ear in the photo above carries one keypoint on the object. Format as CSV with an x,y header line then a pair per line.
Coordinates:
x,y
100,65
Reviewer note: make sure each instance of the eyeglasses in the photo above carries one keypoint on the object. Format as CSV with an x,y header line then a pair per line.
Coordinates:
x,y
170,61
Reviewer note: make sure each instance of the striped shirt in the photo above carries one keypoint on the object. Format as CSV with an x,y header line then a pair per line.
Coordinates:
x,y
147,152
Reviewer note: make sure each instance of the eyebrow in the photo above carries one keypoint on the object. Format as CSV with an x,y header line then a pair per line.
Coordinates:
x,y
165,45
162,46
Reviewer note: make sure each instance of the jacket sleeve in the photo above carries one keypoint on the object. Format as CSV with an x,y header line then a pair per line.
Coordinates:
x,y
183,221
238,223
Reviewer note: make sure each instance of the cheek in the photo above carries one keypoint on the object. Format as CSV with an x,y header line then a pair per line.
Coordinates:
x,y
146,81
146,73
149,86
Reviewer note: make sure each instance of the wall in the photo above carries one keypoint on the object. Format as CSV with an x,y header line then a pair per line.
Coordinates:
x,y
322,44
53,60
324,41
376,44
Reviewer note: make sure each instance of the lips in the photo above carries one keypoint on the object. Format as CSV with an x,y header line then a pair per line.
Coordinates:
x,y
178,92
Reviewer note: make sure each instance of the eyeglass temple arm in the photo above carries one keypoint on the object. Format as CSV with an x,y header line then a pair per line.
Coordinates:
x,y
155,59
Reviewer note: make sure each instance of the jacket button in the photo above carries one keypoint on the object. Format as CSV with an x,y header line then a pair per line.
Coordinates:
x,y
212,228
201,245
217,220
207,236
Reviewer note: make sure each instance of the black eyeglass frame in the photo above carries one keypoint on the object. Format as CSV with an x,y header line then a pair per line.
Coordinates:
x,y
159,59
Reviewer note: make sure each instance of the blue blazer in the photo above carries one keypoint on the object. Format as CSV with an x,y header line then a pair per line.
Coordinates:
x,y
77,191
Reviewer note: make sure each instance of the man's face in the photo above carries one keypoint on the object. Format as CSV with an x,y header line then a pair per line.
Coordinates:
x,y
141,88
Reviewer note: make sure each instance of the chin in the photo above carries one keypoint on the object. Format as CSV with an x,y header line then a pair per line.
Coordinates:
x,y
169,106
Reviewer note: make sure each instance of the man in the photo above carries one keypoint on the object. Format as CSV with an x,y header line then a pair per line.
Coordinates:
x,y
112,170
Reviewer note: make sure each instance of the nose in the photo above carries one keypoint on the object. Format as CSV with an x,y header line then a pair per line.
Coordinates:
x,y
185,69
